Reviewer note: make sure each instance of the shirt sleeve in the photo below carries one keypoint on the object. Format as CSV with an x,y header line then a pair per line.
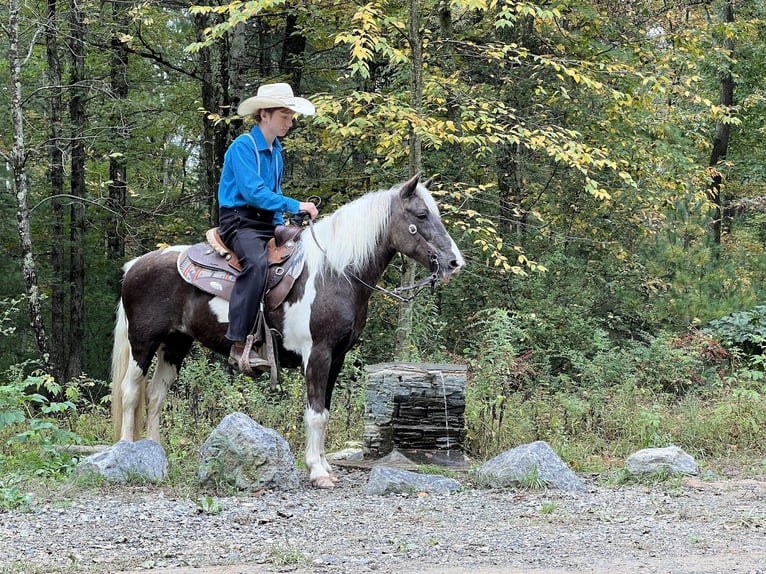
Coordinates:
x,y
251,186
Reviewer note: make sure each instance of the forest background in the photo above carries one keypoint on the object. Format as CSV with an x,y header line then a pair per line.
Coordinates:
x,y
601,165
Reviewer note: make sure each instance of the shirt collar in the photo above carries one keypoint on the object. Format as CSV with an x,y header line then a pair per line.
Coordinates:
x,y
260,140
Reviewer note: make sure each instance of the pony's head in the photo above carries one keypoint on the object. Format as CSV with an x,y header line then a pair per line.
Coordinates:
x,y
404,218
417,231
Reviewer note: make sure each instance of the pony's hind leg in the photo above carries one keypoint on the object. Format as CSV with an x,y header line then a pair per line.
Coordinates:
x,y
133,387
164,375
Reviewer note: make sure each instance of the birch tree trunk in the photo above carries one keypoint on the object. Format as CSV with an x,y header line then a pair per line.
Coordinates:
x,y
17,160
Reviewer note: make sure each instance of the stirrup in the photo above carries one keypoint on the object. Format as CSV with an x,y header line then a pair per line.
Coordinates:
x,y
263,334
244,361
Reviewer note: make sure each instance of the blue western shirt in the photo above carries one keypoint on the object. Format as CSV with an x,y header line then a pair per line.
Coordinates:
x,y
241,183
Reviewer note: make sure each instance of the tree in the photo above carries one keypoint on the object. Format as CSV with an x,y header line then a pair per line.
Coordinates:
x,y
56,170
415,41
78,189
17,159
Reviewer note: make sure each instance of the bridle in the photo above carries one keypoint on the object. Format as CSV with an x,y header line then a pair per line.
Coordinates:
x,y
394,293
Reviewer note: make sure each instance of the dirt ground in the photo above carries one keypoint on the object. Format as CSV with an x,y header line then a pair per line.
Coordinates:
x,y
692,527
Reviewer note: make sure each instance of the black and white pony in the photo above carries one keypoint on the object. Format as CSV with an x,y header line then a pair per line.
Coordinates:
x,y
320,320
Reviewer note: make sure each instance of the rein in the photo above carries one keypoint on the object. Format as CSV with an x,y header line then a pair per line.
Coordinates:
x,y
393,293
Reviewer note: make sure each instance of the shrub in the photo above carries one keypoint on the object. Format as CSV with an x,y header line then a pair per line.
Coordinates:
x,y
745,330
668,389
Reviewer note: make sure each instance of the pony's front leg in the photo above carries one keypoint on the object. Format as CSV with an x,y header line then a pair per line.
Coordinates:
x,y
320,472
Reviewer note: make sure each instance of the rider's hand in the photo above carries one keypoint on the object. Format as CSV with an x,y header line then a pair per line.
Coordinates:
x,y
310,208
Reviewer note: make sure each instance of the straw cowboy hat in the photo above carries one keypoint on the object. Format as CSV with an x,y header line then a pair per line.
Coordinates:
x,y
275,96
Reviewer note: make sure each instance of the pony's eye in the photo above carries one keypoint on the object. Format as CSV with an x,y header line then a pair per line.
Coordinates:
x,y
422,215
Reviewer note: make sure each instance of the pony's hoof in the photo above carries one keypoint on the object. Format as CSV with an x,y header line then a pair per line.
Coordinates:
x,y
323,482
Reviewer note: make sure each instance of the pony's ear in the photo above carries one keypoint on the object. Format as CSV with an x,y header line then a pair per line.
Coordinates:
x,y
431,180
409,187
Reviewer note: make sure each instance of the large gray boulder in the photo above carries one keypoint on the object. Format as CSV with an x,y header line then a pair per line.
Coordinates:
x,y
670,459
527,464
248,456
123,462
386,480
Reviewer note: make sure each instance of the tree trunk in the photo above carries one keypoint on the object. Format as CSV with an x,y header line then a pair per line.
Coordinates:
x,y
17,161
78,190
117,166
723,130
56,174
404,325
214,139
291,62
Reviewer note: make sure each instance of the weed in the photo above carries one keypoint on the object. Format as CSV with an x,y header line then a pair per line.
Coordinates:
x,y
282,557
402,546
208,505
751,519
548,507
663,477
12,498
532,480
437,470
697,541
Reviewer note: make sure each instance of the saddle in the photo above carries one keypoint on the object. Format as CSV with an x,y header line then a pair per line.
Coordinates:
x,y
213,267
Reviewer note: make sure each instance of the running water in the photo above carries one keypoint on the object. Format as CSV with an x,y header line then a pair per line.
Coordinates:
x,y
446,414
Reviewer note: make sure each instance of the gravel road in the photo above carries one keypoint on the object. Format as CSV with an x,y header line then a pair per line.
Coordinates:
x,y
695,527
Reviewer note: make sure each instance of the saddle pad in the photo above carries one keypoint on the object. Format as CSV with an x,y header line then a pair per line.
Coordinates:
x,y
201,266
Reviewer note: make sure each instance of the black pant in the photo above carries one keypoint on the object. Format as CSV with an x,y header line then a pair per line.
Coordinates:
x,y
246,231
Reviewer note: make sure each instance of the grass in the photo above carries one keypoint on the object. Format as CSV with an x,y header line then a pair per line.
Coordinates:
x,y
548,507
592,426
285,556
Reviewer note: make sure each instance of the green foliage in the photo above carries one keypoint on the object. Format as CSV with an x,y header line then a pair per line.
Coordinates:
x,y
31,424
208,505
668,390
12,498
207,391
663,477
33,435
548,507
437,470
286,556
745,330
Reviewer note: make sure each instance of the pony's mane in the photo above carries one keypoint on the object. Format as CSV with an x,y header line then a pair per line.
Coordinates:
x,y
350,236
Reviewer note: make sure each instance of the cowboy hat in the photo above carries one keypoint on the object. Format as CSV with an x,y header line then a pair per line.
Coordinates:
x,y
275,96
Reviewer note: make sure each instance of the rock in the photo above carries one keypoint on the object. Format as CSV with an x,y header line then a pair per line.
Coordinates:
x,y
386,480
244,454
534,461
123,462
352,454
671,459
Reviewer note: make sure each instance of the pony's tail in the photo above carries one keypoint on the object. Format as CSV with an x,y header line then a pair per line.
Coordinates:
x,y
120,364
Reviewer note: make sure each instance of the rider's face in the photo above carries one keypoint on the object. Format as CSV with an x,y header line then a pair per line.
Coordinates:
x,y
278,121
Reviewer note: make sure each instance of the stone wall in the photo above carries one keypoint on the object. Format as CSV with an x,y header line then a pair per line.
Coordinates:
x,y
414,406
